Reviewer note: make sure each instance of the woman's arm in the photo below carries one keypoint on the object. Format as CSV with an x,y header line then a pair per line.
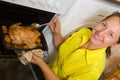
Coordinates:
x,y
48,74
58,39
55,27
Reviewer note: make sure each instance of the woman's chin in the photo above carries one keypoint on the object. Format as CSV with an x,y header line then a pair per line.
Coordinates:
x,y
96,42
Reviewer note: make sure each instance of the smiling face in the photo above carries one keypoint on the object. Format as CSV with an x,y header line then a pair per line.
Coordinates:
x,y
107,32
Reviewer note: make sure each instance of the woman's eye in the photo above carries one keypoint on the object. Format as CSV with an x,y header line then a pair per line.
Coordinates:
x,y
104,25
111,35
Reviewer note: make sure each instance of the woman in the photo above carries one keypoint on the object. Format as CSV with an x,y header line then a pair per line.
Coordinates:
x,y
82,56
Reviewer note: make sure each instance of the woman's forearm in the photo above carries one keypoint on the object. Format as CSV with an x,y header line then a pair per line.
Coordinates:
x,y
48,73
58,39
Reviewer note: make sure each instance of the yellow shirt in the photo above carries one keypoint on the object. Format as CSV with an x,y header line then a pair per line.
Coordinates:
x,y
75,63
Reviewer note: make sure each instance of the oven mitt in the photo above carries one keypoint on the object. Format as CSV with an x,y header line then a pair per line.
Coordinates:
x,y
27,56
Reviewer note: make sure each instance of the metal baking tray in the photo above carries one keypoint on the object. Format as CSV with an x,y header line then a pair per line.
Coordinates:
x,y
42,38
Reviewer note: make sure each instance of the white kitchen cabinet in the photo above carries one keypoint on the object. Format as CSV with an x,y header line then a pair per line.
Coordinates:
x,y
56,6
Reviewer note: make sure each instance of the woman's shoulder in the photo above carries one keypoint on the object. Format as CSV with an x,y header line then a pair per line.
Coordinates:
x,y
81,32
85,29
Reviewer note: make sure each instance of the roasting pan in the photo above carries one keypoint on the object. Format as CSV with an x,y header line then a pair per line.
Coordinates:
x,y
44,46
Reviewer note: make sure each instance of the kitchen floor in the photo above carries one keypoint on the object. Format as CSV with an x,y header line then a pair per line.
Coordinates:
x,y
12,69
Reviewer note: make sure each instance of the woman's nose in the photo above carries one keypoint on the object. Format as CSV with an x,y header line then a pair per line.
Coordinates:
x,y
102,32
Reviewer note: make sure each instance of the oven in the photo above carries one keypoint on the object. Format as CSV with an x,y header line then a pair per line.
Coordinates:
x,y
10,66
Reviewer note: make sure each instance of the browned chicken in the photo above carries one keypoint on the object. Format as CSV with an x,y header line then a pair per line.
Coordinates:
x,y
24,35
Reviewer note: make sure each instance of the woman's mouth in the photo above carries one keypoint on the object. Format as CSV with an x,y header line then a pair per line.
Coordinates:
x,y
99,38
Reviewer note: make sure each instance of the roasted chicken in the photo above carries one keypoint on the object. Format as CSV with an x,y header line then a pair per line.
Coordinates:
x,y
24,35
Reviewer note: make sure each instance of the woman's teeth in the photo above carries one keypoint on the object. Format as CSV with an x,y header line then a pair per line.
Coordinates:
x,y
98,38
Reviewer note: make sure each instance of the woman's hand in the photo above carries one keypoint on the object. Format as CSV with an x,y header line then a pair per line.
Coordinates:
x,y
35,59
56,29
48,73
55,25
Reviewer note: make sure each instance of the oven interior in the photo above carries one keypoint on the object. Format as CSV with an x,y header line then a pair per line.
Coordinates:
x,y
12,13
10,66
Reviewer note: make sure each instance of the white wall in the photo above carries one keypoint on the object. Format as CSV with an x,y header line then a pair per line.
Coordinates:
x,y
82,11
